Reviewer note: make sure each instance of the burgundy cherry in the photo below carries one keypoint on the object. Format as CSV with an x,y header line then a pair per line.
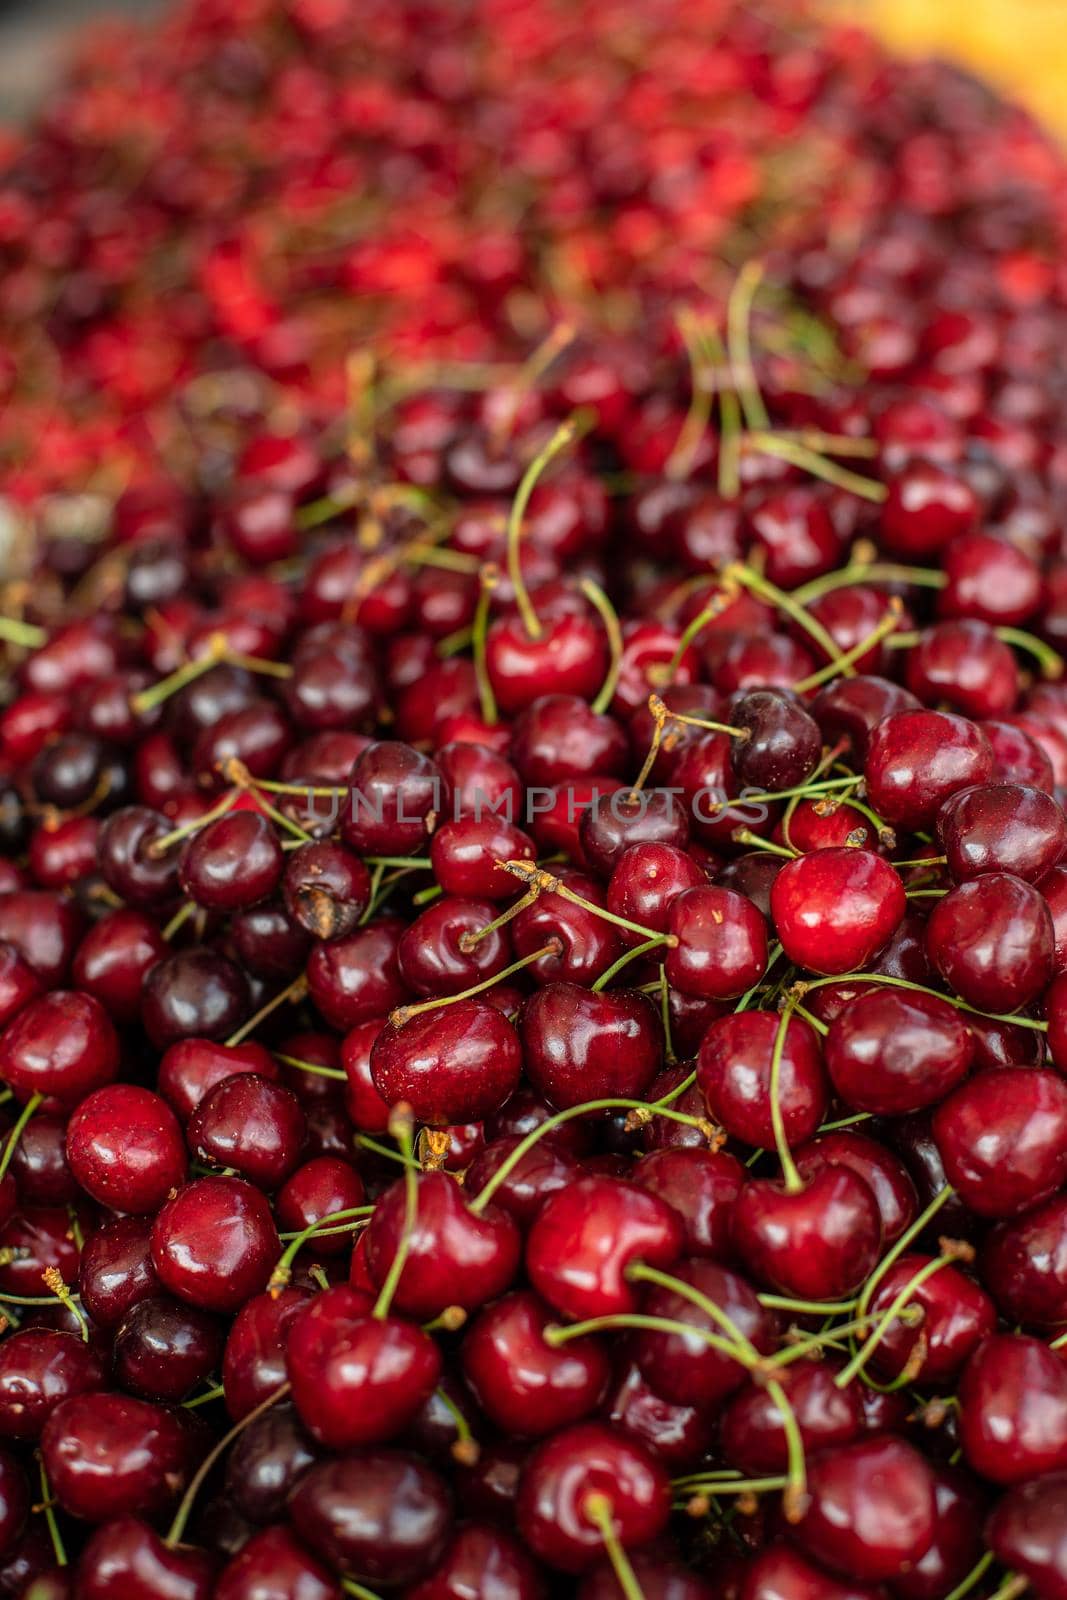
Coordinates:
x,y
326,889
781,1573
1013,1409
753,1428
455,1063
702,1186
734,1075
991,939
125,1148
108,1455
353,979
586,1237
1003,1139
61,1045
954,1316
883,1173
851,709
1026,1533
568,658
927,507
433,952
395,795
191,1068
214,1243
381,1516
465,854
679,1435
274,1565
682,1367
721,949
127,1558
834,909
782,743
456,1256
253,1365
233,862
193,993
892,1051
871,1512
569,1475
526,1387
618,821
917,759
818,1242
318,1189
645,882
116,1269
1001,827
1024,1265
113,961
579,1045
585,945
251,1125
164,1349
542,1171
482,1558
39,1369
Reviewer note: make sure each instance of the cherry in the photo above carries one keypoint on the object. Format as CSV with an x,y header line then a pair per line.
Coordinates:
x,y
364,1104
852,708
378,1515
268,944
702,1186
834,909
586,944
965,665
585,1239
326,889
1003,827
456,1255
481,779
466,851
125,1148
357,1378
618,821
266,1462
734,1075
14,1501
1013,1409
891,1051
917,759
233,862
926,508
679,1435
645,882
108,1455
481,1556
1003,1139
39,1165
353,979
1053,887
112,963
871,1512
318,1189
579,1045
526,1387
1024,1265
274,1565
570,1477
253,1365
214,1243
559,736
568,657
1025,1532
721,948
126,1557
163,1349
544,1170
191,1068
394,795
955,1317
250,1125
881,1171
116,1270
782,742
684,1367
454,1063
40,1368
991,939
436,953
818,1242
753,1428
130,862
35,1239
193,993
61,1045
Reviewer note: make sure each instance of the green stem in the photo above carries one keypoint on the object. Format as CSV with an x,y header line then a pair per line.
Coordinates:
x,y
181,1516
799,455
641,1272
12,1140
25,634
794,1183
598,1508
479,630
637,1320
781,601
1050,661
977,1572
563,436
624,960
400,1126
949,999
310,1066
680,462
294,992
217,1393
922,1221
404,1014
609,616
739,345
834,668
283,1271
881,1327
871,572
47,1506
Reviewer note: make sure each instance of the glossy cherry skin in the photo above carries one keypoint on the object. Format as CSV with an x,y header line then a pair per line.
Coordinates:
x,y
252,1125
395,791
108,1454
465,853
569,658
381,1516
39,1369
455,1256
116,1269
645,882
18,983
215,1243
432,954
817,1244
783,742
128,862
163,1348
917,759
851,709
781,1573
317,1189
871,1511
191,1068
1053,887
1026,1532
956,1315
892,1051
234,862
351,980
1003,1139
561,1474
456,1063
193,993
560,737
267,1461
1001,827
253,1364
752,1432
578,1045
622,819
274,1565
734,1076
1013,1409
684,1368
834,909
883,1173
722,943
39,1165
125,1148
585,1238
583,944
702,1186
61,1045
357,1379
1024,1265
541,1172
526,1387
127,1560
482,1558
113,961
679,1435
992,941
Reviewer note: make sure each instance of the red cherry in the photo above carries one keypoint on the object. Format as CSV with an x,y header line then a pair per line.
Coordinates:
x,y
917,759
233,862
992,941
817,1243
734,1075
456,1256
1003,1139
274,1565
486,1557
381,1516
163,1349
253,1364
586,1237
871,1511
353,979
1025,1532
688,1370
722,943
541,1172
215,1243
753,1428
891,1051
61,1045
191,1068
526,1387
39,1369
127,1557
1013,1409
781,1573
1003,827
125,1148
882,1172
833,909
318,1189
1024,1265
251,1125
114,959
108,1455
455,1063
568,658
579,1045
702,1186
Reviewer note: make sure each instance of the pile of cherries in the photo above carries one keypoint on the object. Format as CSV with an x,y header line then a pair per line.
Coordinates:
x,y
533,870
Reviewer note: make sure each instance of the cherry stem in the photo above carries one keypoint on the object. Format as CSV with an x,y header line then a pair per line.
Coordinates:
x,y
665,1015
869,572
25,634
641,1272
181,1516
179,919
314,1067
811,1019
911,1233
465,1450
794,1183
833,669
48,1507
526,1144
598,1508
731,426
610,618
739,344
660,717
806,1308
638,1320
803,791
755,841
359,1590
906,983
664,676
11,1142
624,960
209,1395
717,1486
794,1499
892,1312
1058,1344
563,436
365,1142
294,992
798,455
401,1127
709,725
680,462
528,376
770,592
403,1014
489,577
1014,1584
473,937
534,875
283,1271
1050,661
53,1280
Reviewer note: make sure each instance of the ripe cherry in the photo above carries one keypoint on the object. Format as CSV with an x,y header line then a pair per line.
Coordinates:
x,y
782,743
753,1427
191,1068
891,1051
353,979
319,1188
456,1255
721,949
575,1476
113,961
251,1125
579,1045
271,1565
116,1269
164,1349
702,1186
1003,1139
193,993
1001,827
1025,1532
436,953
734,1075
883,1173
587,1236
991,939
1024,1265
126,1556
214,1243
454,1063
834,909
955,1317
526,1387
395,793
61,1045
233,862
871,1512
545,1169
40,1368
818,1241
917,759
108,1455
377,1515
684,1367
587,944
253,1364
1013,1409
481,1555
125,1148
326,889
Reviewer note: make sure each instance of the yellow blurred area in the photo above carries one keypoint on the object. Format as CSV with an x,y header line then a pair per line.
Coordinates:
x,y
1019,45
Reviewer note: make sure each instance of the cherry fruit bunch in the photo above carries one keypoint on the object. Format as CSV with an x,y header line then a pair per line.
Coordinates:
x,y
533,889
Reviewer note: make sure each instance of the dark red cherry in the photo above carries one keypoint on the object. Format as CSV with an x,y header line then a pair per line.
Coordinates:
x,y
525,1386
39,1165
432,953
1053,887
957,1543
482,1557
783,742
871,1512
274,1565
127,1560
560,736
357,1379
585,1238
44,928
395,795
215,1243
125,1148
129,862
617,821
851,709
18,983
326,889
164,1349
456,1256
251,1125
1013,1409
234,862
679,1435
107,1455
563,1482
466,851
722,943
455,1063
734,1075
40,1368
480,779
266,1463
682,1367
113,961
1025,1532
569,657
193,993
883,1173
61,1045
364,1104
268,944
1017,756
587,944
645,882
542,1171
253,1365
1024,1265
1003,1139
578,1045
35,1239
318,1189
116,1269
817,1243
1001,827
753,1430
834,909
991,939
191,1068
932,1343
927,507
892,1051
257,735
702,1186
380,1516
351,980
917,759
